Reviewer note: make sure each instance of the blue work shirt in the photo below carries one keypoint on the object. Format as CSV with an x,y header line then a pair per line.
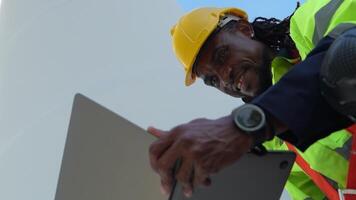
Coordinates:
x,y
297,102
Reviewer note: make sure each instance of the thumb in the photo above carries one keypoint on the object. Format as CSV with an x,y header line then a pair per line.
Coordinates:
x,y
156,132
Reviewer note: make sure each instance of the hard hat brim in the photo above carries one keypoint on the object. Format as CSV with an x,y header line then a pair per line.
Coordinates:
x,y
189,77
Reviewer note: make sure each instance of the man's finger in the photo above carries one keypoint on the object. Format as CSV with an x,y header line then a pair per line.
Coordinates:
x,y
157,149
184,176
201,177
166,165
156,132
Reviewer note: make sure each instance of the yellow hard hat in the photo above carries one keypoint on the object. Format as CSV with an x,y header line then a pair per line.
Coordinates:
x,y
192,30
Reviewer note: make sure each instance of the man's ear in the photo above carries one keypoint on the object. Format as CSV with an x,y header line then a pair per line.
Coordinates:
x,y
246,28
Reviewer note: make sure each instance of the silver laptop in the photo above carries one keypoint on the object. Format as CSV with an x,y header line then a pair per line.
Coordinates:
x,y
106,158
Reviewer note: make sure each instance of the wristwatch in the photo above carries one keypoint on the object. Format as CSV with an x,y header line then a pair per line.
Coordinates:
x,y
251,119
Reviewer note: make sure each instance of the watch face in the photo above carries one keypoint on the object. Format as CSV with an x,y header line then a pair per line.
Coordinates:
x,y
249,118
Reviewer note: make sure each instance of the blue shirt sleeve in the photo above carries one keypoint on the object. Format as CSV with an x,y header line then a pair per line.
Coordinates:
x,y
296,101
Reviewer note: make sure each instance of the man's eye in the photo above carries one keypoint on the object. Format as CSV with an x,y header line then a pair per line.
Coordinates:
x,y
214,81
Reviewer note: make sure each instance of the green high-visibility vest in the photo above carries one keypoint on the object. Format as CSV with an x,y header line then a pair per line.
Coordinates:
x,y
328,156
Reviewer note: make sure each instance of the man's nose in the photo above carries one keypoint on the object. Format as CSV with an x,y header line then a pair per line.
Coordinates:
x,y
224,82
225,85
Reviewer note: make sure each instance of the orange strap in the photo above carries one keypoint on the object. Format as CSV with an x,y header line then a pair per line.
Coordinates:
x,y
351,179
318,179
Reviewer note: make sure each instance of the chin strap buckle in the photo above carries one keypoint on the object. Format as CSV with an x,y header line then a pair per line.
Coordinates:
x,y
343,192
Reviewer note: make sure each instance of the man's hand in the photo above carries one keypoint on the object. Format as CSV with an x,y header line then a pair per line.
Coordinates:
x,y
203,146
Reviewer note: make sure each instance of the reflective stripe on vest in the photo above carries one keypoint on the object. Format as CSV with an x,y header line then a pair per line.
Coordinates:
x,y
323,18
322,21
340,29
344,151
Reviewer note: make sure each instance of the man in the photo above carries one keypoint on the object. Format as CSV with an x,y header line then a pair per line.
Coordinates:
x,y
243,59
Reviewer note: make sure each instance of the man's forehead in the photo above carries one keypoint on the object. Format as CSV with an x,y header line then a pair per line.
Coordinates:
x,y
206,52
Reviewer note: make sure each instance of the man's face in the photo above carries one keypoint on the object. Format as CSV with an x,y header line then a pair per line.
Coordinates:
x,y
235,64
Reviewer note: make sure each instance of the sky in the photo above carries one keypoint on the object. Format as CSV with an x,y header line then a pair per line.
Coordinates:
x,y
51,50
275,8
